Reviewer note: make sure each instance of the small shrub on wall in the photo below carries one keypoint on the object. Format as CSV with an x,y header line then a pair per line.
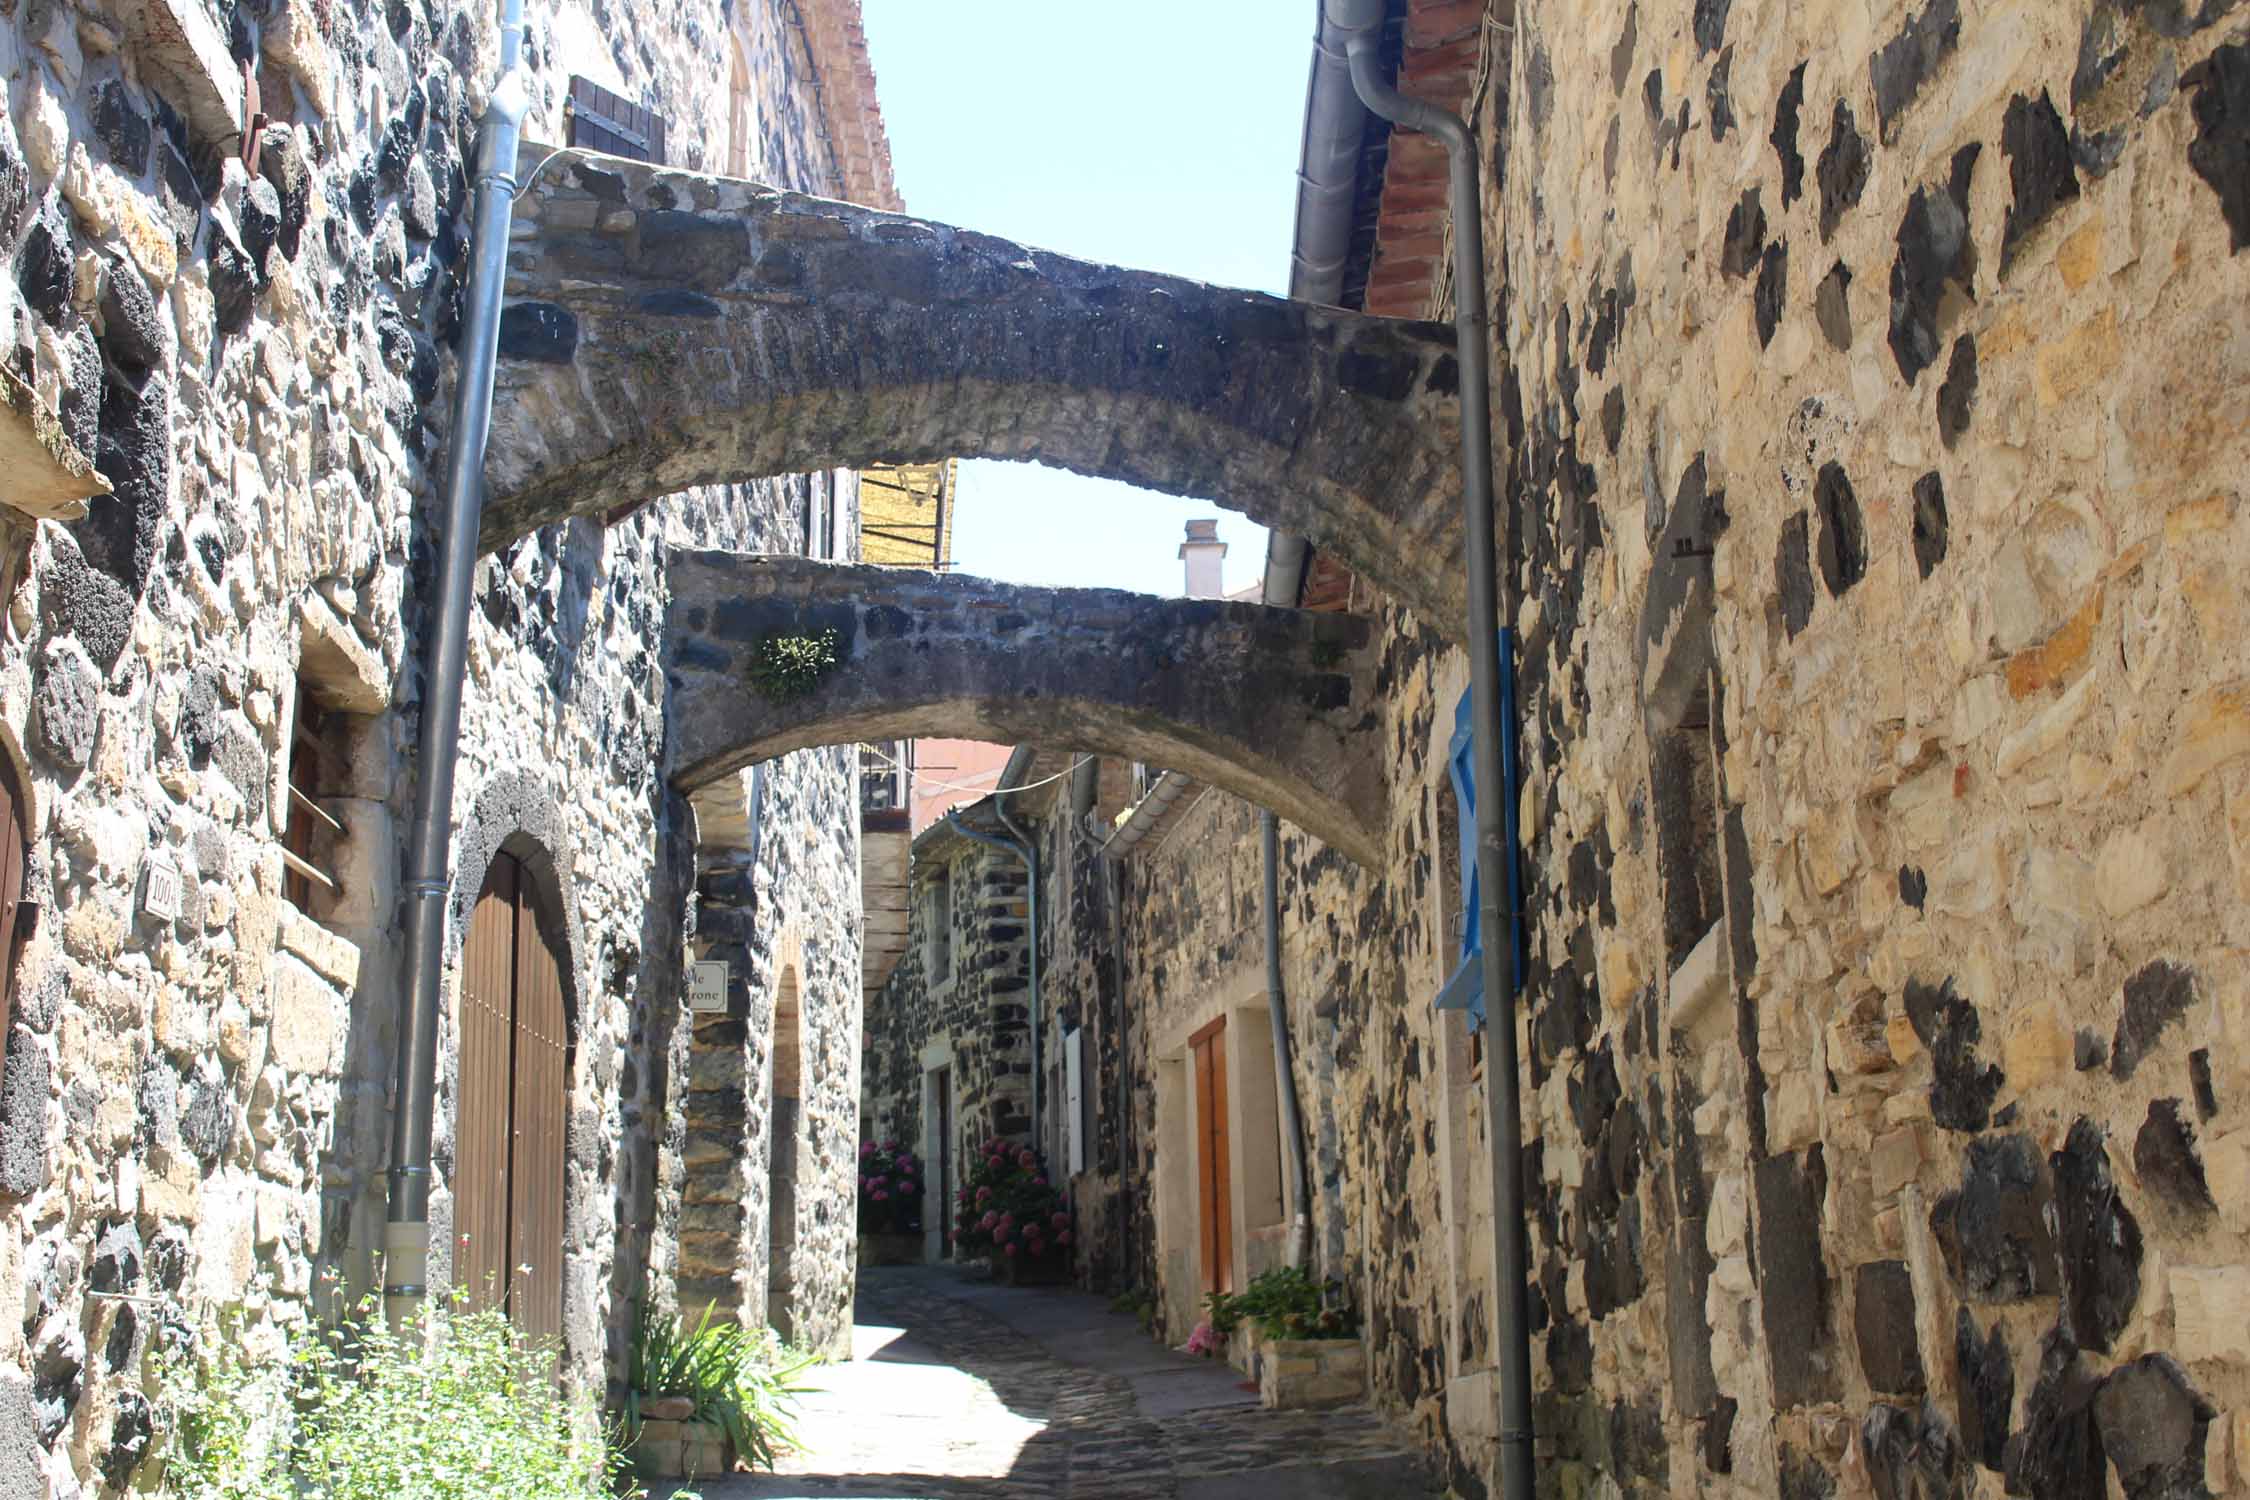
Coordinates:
x,y
1009,1210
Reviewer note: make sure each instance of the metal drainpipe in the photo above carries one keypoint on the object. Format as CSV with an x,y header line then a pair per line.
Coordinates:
x,y
1284,1066
1489,605
1030,857
1030,850
406,1235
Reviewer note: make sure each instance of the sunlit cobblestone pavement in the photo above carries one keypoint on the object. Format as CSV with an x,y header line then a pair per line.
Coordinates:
x,y
961,1388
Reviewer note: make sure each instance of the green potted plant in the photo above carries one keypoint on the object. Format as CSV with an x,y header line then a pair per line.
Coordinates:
x,y
890,1205
1010,1212
699,1400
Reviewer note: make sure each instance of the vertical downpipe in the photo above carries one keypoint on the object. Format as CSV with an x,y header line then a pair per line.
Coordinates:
x,y
1284,1063
406,1234
1494,740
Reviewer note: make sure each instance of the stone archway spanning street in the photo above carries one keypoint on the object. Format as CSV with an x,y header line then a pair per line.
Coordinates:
x,y
1277,706
666,330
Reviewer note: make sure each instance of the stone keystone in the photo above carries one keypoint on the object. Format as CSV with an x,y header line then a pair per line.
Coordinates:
x,y
1275,705
666,330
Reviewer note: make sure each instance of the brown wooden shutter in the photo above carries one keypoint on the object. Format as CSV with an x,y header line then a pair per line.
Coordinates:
x,y
12,842
535,1178
599,120
482,1118
1215,1191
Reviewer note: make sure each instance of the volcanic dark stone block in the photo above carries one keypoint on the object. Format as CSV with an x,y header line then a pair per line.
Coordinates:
x,y
1911,1454
23,1115
2152,1423
1717,103
2158,994
1935,256
66,708
2039,171
235,280
1711,23
135,455
1883,1326
1771,296
177,192
1843,535
1746,236
2058,1454
2220,152
1993,1230
1961,1088
2090,1051
132,326
1687,1282
538,331
45,272
1842,172
116,1266
207,1116
15,195
130,1434
259,219
1621,55
1987,1386
1793,1282
1931,530
2199,1077
1913,886
1910,59
281,162
1792,568
1832,306
2165,1158
1718,1436
1570,1354
2098,1241
1613,418
1784,137
1957,394
80,407
122,127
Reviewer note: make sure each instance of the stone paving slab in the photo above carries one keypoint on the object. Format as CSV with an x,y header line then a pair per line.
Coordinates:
x,y
959,1388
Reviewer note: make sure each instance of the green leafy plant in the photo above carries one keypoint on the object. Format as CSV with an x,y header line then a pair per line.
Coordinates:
x,y
738,1380
453,1406
1007,1207
785,668
1285,1303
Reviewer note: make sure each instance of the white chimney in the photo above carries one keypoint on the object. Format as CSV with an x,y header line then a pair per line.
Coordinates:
x,y
1204,552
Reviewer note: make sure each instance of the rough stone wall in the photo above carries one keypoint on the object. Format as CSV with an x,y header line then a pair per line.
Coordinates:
x,y
1871,383
981,1010
195,1109
1874,388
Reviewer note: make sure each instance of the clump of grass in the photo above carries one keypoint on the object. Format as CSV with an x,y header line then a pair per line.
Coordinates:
x,y
742,1381
784,668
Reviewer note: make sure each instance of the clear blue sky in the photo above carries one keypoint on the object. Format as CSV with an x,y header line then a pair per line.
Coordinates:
x,y
1161,134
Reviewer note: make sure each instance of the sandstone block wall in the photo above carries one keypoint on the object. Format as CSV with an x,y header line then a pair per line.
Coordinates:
x,y
259,359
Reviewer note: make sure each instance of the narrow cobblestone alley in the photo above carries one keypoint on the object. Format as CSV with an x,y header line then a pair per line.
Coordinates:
x,y
960,1388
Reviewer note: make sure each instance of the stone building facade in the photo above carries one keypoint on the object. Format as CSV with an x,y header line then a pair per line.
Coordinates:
x,y
1869,381
236,237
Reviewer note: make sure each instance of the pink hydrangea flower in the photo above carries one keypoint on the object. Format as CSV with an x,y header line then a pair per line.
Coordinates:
x,y
890,1145
867,1148
880,1195
984,1194
989,1220
1062,1221
1010,1248
1063,1238
1024,1158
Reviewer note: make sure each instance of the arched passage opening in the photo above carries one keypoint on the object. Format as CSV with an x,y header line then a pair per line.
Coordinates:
x,y
512,1101
785,1137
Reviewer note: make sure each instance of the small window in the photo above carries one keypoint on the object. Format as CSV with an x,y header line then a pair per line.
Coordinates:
x,y
310,841
1077,1097
1685,777
937,927
599,120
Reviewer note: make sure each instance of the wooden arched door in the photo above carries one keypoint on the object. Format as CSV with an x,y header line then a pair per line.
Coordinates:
x,y
514,1087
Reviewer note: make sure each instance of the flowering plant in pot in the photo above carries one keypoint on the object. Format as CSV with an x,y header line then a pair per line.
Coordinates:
x,y
1008,1209
890,1189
